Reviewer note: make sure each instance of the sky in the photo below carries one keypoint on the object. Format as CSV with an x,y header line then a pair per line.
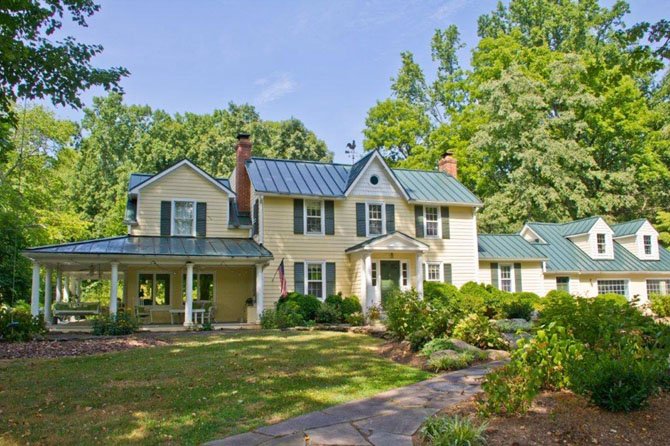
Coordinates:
x,y
323,62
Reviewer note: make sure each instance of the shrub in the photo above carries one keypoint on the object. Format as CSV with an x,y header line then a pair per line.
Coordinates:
x,y
350,305
614,297
18,325
617,384
435,345
443,293
307,305
405,313
458,361
109,325
328,314
508,326
374,313
418,339
518,308
660,304
269,319
289,315
355,319
478,331
335,300
452,431
508,390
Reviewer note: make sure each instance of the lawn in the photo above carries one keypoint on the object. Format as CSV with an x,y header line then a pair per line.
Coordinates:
x,y
196,389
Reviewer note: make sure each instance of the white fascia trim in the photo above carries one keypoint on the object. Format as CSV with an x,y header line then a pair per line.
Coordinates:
x,y
389,172
303,197
175,167
529,229
446,203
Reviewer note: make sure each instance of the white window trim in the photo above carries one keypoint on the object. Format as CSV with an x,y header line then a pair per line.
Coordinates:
x,y
615,279
323,218
512,277
440,272
153,291
563,277
172,216
667,288
196,278
323,277
367,218
439,223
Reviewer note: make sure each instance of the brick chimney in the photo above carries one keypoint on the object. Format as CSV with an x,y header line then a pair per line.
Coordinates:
x,y
448,164
242,182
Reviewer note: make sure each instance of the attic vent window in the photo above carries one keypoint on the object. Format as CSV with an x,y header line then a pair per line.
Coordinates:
x,y
374,180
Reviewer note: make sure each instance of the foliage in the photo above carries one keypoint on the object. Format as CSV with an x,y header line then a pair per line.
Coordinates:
x,y
445,362
269,319
18,325
512,326
290,314
327,314
614,297
305,304
418,339
480,332
453,430
518,307
345,306
355,319
374,313
482,299
508,390
435,345
109,325
406,313
660,304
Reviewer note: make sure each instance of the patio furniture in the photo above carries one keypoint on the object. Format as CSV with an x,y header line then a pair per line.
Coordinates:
x,y
180,311
66,309
208,307
142,313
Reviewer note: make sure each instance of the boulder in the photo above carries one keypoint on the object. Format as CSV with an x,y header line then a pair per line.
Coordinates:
x,y
464,346
405,346
453,354
512,338
497,355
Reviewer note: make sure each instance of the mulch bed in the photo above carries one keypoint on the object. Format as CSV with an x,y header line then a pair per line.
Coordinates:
x,y
568,419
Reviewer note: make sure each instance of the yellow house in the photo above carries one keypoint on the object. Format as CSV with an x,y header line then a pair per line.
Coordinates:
x,y
200,248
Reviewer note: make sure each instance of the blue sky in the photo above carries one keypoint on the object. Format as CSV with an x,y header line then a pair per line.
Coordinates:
x,y
324,62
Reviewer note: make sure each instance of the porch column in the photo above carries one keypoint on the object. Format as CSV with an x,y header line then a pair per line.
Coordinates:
x,y
113,289
260,286
188,306
47,296
419,274
77,289
367,280
59,285
35,292
66,288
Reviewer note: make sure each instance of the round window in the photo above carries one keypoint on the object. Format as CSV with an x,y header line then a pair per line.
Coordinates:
x,y
374,179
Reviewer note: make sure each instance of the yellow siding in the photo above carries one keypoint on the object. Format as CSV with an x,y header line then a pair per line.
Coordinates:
x,y
532,277
184,183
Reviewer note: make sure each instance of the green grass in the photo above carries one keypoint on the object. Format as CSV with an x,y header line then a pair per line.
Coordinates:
x,y
199,388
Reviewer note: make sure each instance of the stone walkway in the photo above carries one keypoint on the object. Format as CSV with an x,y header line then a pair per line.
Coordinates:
x,y
388,419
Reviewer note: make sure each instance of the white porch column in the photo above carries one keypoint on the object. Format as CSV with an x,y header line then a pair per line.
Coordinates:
x,y
47,296
367,280
66,288
260,287
77,289
419,274
113,289
188,306
59,285
35,292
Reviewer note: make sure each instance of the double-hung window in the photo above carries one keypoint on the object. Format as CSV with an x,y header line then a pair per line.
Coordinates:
x,y
405,274
613,286
203,287
661,287
506,279
154,289
375,220
314,217
315,283
183,221
647,244
432,221
374,273
563,284
601,241
433,271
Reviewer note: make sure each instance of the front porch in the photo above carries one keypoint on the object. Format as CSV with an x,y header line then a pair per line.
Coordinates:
x,y
164,282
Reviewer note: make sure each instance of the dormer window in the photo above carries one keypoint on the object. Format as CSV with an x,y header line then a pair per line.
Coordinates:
x,y
647,245
601,240
183,222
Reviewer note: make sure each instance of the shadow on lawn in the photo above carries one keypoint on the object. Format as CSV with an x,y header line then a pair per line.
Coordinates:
x,y
197,389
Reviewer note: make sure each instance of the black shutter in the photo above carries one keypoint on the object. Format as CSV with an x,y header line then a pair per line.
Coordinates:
x,y
255,218
166,217
418,220
517,278
299,277
330,278
445,222
298,222
201,219
447,272
360,219
329,207
494,275
390,218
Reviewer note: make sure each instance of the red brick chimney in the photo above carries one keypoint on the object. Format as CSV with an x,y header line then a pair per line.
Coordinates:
x,y
242,183
448,164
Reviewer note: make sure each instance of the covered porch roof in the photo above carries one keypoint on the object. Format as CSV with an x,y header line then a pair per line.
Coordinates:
x,y
393,241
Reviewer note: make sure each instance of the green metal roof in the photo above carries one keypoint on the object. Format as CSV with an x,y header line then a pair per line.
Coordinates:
x,y
565,256
330,180
579,226
628,227
158,246
507,247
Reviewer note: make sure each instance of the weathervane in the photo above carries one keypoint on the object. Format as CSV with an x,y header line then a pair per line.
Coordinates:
x,y
351,150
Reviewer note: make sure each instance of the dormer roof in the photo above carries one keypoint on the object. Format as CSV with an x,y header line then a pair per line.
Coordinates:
x,y
628,228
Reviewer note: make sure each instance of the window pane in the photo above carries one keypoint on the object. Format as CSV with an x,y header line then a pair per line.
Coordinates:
x,y
506,278
432,229
183,218
433,272
647,244
313,212
563,284
375,219
405,274
374,274
315,279
315,289
145,289
601,243
612,286
162,289
206,286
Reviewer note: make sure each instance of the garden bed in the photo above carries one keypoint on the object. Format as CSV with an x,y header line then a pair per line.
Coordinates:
x,y
568,419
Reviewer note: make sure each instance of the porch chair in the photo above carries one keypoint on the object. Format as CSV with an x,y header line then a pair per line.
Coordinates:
x,y
142,313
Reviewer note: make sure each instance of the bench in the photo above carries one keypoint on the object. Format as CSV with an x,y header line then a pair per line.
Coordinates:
x,y
66,309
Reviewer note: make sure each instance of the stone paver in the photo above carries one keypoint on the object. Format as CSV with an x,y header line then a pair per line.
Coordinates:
x,y
389,418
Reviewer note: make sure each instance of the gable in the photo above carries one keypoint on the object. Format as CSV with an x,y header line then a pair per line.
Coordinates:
x,y
220,184
386,185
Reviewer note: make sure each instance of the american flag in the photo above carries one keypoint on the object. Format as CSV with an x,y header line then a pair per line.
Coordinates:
x,y
282,278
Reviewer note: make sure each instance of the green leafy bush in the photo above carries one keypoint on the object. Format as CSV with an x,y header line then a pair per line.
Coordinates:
x,y
480,332
374,313
355,319
660,304
518,308
335,300
512,326
460,360
418,339
18,325
109,325
452,431
616,384
328,314
508,390
307,305
405,313
289,315
614,297
350,305
443,293
435,345
269,319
